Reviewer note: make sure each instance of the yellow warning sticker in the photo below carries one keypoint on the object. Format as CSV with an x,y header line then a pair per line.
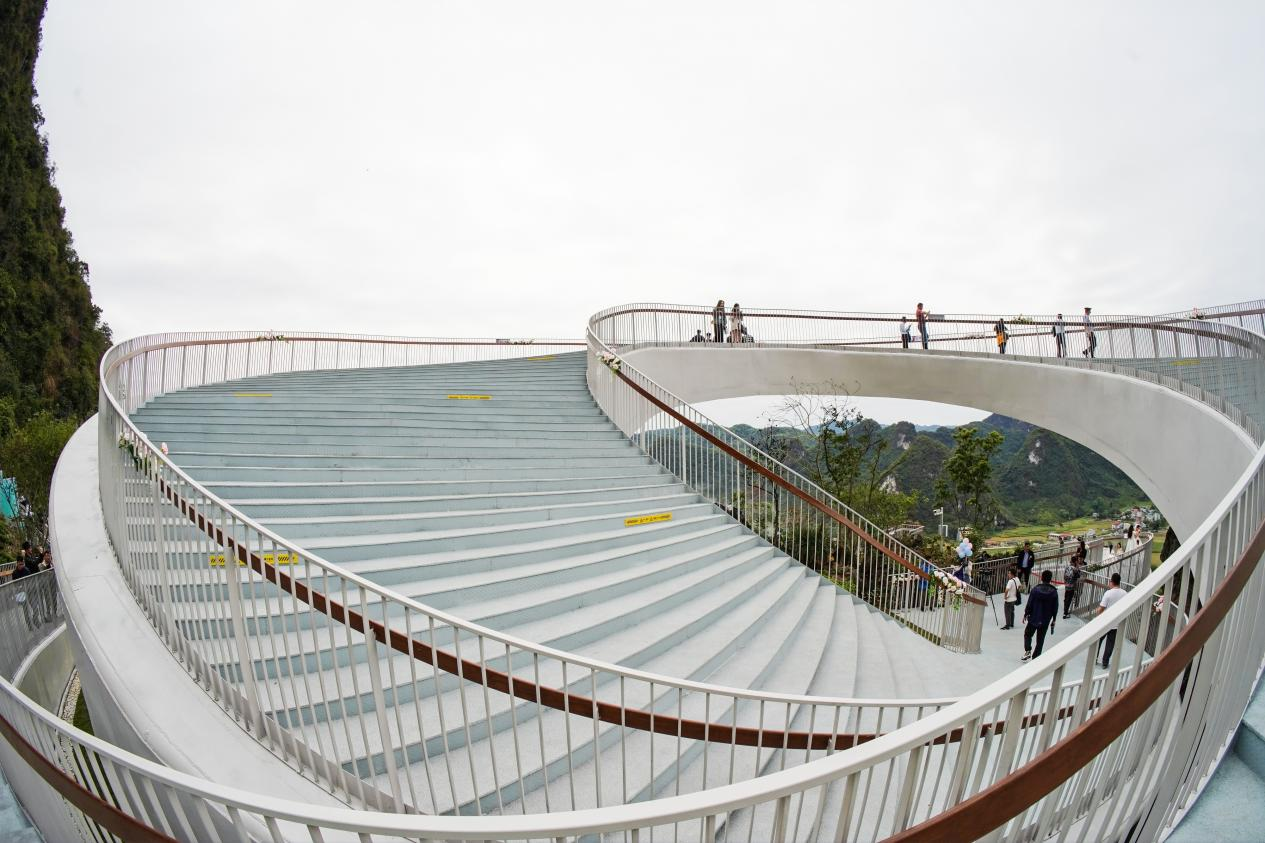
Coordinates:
x,y
252,394
1186,362
647,519
542,357
471,397
217,559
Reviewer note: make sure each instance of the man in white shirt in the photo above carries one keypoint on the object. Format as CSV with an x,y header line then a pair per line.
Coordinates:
x,y
1011,598
1113,596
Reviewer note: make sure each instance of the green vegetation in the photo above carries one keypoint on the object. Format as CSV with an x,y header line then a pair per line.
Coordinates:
x,y
1039,532
966,478
82,719
54,337
1041,482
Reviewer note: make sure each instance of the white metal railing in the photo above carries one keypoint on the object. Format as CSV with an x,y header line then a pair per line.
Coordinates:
x,y
867,791
785,508
1212,361
452,683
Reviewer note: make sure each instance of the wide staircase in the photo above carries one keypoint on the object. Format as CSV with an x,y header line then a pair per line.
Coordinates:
x,y
500,493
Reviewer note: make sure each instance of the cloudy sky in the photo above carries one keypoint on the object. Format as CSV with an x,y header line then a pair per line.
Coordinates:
x,y
507,168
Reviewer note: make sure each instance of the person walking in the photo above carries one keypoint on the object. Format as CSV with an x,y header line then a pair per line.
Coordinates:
x,y
1091,343
1010,597
920,316
1002,335
1071,584
1113,596
1060,336
1027,561
735,324
905,333
718,320
1043,606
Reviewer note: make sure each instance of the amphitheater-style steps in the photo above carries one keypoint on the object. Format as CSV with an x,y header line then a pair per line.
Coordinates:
x,y
510,512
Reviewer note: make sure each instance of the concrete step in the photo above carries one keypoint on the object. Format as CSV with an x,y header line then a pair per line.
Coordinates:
x,y
511,513
291,507
301,528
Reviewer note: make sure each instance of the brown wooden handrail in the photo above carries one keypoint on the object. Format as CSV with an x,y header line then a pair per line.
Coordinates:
x,y
1010,796
95,808
558,699
828,511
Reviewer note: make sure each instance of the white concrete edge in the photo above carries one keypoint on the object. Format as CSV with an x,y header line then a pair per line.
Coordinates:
x,y
142,698
30,658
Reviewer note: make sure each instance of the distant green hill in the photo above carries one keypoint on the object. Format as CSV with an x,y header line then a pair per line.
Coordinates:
x,y
1038,476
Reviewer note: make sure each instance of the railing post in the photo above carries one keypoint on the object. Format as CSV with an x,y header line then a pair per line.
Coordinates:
x,y
232,575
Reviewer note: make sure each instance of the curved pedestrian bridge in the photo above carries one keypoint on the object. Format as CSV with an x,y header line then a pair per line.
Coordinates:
x,y
501,579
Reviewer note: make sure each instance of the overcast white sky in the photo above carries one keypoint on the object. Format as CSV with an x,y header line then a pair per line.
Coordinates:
x,y
507,168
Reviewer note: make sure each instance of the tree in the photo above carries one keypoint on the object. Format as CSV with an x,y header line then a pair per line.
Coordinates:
x,y
29,454
847,453
966,481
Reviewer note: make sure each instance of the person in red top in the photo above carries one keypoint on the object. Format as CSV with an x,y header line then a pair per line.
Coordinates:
x,y
921,316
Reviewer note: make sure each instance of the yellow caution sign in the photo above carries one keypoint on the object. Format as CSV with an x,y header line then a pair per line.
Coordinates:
x,y
471,397
1186,362
217,559
252,394
647,519
542,357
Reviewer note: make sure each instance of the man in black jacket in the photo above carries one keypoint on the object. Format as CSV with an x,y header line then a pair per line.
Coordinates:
x,y
1027,560
1042,608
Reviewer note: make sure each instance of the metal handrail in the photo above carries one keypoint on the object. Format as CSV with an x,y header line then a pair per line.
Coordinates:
x,y
774,790
960,635
1012,795
116,765
154,453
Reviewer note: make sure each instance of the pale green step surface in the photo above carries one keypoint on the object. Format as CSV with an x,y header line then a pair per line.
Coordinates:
x,y
15,826
1232,805
513,512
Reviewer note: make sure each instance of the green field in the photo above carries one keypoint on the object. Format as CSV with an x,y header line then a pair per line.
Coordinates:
x,y
1015,536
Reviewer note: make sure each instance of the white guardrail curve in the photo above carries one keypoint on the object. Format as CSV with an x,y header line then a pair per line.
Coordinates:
x,y
923,768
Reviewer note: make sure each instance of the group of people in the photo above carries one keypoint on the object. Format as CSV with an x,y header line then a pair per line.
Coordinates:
x,y
39,605
727,326
1002,332
31,560
1042,606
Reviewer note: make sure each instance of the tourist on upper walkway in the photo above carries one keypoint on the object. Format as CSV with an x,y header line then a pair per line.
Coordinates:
x,y
1010,598
1043,605
1002,335
1060,336
698,336
1071,583
1091,342
1027,561
718,320
735,324
920,316
906,333
1113,596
